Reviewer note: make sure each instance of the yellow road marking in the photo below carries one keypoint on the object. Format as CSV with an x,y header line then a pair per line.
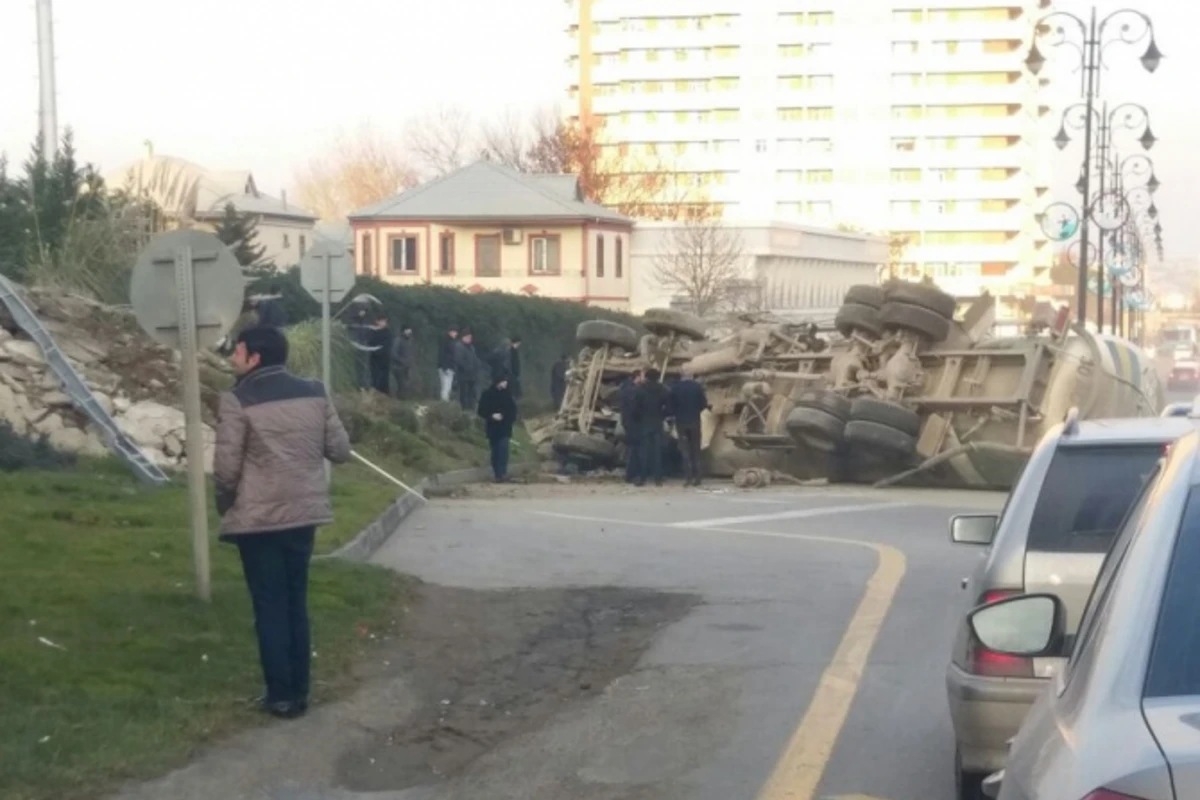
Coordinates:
x,y
798,772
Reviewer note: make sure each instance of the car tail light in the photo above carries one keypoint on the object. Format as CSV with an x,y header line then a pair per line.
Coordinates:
x,y
1105,794
989,663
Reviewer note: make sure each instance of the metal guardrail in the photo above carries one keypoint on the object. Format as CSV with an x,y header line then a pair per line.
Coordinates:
x,y
77,389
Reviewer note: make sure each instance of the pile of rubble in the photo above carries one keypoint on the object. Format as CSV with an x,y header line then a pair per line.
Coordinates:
x,y
135,380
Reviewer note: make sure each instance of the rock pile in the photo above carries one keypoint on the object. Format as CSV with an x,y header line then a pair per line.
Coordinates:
x,y
134,380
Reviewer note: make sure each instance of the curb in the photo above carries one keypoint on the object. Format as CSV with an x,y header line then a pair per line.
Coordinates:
x,y
374,536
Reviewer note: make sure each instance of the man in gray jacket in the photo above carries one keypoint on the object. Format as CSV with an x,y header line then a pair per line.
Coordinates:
x,y
274,433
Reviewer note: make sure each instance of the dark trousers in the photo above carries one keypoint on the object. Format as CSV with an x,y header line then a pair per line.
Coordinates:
x,y
649,457
499,456
556,397
381,379
689,447
276,569
400,383
466,393
633,458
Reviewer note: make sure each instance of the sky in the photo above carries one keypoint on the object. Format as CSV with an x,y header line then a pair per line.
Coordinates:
x,y
263,85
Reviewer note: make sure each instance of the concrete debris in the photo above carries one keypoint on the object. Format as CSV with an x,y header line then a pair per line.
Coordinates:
x,y
132,378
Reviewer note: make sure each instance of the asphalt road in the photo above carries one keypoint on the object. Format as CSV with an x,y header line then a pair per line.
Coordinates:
x,y
813,667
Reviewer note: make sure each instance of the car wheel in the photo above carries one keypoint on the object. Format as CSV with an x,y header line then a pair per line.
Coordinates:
x,y
815,428
599,332
967,785
918,320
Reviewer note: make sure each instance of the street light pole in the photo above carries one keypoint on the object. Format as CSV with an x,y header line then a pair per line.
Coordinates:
x,y
1092,56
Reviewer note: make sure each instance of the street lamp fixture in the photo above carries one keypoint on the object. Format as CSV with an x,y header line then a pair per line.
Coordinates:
x,y
1148,139
1153,183
1152,57
1035,61
1062,138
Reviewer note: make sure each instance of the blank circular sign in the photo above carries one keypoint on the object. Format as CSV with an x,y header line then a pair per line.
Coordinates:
x,y
219,290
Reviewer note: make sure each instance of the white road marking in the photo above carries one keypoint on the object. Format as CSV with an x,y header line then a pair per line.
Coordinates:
x,y
799,513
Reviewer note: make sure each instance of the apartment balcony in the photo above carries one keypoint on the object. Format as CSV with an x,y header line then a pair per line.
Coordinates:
x,y
966,30
1020,124
1018,93
1015,220
1018,188
942,62
621,9
666,37
1009,252
1019,156
664,70
664,102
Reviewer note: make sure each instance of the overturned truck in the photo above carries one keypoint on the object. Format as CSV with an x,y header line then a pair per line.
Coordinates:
x,y
897,390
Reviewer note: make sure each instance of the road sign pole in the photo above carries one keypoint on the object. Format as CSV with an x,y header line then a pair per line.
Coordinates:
x,y
327,343
185,284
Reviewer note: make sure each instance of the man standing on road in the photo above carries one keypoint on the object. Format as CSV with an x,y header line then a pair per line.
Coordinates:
x,y
404,359
651,404
558,382
274,433
466,370
627,404
688,401
498,410
446,363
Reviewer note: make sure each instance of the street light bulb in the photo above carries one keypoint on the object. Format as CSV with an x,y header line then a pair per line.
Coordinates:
x,y
1158,229
1148,139
1153,183
1062,138
1035,60
1152,57
1152,211
1081,185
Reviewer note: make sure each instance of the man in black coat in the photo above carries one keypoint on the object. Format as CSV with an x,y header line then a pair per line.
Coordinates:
x,y
688,402
651,405
466,370
558,382
626,403
381,356
498,410
446,363
404,361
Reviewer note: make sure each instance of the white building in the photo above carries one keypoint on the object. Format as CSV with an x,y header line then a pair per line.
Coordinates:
x,y
186,191
799,270
905,116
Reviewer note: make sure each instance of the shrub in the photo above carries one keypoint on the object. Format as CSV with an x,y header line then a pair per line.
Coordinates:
x,y
20,452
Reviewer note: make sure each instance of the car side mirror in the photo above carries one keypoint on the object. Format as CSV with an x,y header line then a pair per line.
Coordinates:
x,y
1026,626
977,529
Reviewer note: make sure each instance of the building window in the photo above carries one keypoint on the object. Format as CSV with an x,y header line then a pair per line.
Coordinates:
x,y
545,255
368,262
904,145
287,241
404,253
600,255
760,146
487,255
619,266
446,254
303,246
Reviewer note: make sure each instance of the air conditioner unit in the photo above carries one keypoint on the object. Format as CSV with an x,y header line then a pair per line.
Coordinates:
x,y
512,235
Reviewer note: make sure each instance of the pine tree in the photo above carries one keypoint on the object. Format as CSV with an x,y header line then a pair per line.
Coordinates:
x,y
239,232
13,223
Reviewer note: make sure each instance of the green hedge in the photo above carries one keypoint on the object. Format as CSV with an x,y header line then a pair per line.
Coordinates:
x,y
546,327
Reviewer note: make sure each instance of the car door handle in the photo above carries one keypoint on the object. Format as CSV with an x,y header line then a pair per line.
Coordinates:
x,y
965,581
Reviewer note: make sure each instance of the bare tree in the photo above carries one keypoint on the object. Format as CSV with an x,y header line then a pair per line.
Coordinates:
x,y
356,172
442,140
701,261
511,138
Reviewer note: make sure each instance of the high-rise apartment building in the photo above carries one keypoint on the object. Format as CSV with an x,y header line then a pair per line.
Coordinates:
x,y
912,117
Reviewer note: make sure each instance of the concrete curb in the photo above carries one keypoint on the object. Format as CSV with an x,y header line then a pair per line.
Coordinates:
x,y
374,536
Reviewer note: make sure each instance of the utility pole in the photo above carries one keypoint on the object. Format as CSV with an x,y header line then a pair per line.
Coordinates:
x,y
48,92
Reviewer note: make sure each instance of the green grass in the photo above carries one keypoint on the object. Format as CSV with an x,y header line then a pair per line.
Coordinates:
x,y
102,567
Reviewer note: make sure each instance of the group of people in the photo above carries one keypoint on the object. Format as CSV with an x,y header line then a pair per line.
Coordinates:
x,y
646,406
460,367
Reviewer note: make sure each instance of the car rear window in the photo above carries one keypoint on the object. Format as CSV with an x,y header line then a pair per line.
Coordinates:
x,y
1174,669
1086,494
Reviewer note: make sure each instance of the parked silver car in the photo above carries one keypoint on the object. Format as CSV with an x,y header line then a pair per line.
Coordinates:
x,y
1051,536
1121,719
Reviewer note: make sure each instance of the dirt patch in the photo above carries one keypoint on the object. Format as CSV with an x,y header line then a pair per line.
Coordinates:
x,y
490,665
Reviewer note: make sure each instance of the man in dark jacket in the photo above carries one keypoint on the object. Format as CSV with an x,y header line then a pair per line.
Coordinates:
x,y
404,360
447,363
558,382
274,433
498,410
688,401
626,402
651,406
466,370
381,355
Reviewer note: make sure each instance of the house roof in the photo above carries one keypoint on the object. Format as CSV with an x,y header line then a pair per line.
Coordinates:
x,y
486,190
183,189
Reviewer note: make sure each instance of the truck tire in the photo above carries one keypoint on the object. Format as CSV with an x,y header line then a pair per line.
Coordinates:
x,y
865,295
856,316
827,400
815,428
923,296
921,321
886,413
598,332
584,444
667,321
866,435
